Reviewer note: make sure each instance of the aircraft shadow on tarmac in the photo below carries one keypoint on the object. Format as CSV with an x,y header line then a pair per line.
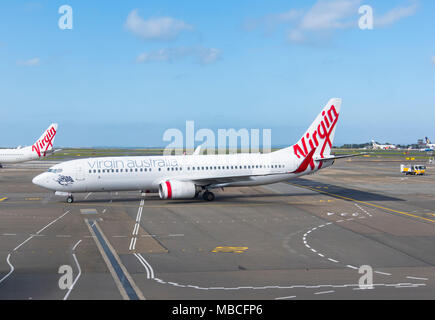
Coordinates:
x,y
340,191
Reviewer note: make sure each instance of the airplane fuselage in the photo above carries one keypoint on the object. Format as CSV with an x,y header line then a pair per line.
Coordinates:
x,y
147,173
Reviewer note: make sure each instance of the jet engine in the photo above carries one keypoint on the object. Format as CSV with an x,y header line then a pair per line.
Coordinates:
x,y
173,189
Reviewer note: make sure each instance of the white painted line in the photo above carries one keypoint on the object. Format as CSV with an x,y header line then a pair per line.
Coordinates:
x,y
146,268
16,248
383,273
285,298
335,261
10,272
52,222
325,292
415,278
352,267
136,229
131,244
88,195
149,266
78,275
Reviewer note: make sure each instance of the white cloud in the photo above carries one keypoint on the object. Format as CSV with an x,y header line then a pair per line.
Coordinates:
x,y
30,62
395,15
200,54
208,55
326,15
271,21
319,22
162,28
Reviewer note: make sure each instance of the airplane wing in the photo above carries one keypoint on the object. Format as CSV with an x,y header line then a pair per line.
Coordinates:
x,y
220,182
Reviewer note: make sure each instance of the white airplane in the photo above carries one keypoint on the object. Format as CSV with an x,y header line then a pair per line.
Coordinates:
x,y
41,148
429,144
187,176
383,146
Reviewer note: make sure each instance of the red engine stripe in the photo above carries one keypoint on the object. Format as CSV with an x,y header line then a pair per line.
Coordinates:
x,y
168,185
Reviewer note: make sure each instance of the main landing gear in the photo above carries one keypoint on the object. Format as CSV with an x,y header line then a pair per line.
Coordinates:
x,y
70,199
208,196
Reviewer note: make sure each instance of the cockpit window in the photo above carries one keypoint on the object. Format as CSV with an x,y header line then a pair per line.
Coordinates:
x,y
55,170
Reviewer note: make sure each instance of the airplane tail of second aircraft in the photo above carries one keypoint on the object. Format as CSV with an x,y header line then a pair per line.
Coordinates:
x,y
44,145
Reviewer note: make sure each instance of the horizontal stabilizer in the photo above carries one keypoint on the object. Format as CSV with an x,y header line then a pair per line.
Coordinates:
x,y
340,157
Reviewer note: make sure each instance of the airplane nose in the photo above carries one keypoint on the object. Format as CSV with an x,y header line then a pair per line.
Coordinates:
x,y
37,180
40,180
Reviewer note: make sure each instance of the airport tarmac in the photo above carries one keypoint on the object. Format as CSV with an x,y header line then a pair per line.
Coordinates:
x,y
302,239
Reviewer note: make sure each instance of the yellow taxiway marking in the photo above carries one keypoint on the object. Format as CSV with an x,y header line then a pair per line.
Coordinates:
x,y
33,199
363,202
230,249
3,199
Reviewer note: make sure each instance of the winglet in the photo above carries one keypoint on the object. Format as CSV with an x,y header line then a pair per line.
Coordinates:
x,y
306,162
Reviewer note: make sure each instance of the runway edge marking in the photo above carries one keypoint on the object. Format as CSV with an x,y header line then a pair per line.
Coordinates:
x,y
123,280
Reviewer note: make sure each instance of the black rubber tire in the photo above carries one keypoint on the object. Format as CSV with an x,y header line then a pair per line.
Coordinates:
x,y
70,199
208,196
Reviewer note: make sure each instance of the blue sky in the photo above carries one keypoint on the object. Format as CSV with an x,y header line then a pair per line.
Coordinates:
x,y
129,70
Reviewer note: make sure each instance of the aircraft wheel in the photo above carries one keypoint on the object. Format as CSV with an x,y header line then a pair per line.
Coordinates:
x,y
70,199
208,196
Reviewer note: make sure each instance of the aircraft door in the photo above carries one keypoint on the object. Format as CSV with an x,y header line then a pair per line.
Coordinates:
x,y
80,173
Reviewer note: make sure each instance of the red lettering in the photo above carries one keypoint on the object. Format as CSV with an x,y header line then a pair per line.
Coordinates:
x,y
47,141
298,151
304,145
315,138
332,109
322,134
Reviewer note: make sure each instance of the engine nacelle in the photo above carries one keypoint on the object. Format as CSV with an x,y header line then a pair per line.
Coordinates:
x,y
173,189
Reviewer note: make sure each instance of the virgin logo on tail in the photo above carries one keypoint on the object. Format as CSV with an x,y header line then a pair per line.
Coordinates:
x,y
321,136
42,145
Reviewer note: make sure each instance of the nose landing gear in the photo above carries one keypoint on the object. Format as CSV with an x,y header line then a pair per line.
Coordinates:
x,y
70,199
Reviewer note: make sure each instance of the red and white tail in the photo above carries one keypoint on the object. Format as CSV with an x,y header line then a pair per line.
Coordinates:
x,y
319,136
44,144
